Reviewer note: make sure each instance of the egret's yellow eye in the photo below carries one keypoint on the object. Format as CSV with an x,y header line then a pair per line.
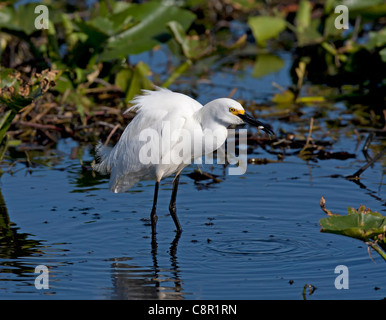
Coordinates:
x,y
233,110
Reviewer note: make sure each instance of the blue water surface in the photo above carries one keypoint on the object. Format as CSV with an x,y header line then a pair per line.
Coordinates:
x,y
250,236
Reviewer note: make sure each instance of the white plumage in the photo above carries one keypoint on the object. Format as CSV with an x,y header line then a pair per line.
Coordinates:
x,y
180,123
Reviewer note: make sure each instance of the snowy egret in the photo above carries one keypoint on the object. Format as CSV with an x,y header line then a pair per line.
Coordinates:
x,y
168,123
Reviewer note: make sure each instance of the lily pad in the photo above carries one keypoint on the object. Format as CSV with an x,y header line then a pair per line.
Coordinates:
x,y
363,224
265,28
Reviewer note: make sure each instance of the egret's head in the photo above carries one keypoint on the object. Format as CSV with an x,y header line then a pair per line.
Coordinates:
x,y
231,112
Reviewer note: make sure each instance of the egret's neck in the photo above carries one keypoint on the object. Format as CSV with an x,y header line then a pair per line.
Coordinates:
x,y
214,131
208,118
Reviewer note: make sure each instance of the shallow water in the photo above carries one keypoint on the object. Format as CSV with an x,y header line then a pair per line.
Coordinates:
x,y
253,236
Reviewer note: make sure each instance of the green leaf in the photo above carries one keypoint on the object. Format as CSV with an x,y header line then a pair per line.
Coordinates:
x,y
265,28
359,5
6,16
376,39
122,19
4,143
266,64
6,78
362,224
179,34
150,30
369,9
382,53
96,35
328,6
139,80
310,35
16,102
303,16
284,97
329,27
123,78
20,19
131,81
5,122
103,25
63,83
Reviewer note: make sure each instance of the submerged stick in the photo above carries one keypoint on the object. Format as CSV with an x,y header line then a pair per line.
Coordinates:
x,y
357,174
308,136
367,145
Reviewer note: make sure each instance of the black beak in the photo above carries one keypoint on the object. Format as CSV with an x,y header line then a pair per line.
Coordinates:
x,y
260,125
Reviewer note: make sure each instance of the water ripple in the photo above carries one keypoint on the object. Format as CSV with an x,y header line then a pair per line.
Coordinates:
x,y
289,248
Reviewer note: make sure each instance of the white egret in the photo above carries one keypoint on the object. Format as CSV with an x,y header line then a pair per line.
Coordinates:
x,y
174,122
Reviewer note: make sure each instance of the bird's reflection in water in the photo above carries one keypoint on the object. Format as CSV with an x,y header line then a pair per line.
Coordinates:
x,y
131,281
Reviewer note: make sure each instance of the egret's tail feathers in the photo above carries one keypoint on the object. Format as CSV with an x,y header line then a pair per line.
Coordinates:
x,y
103,164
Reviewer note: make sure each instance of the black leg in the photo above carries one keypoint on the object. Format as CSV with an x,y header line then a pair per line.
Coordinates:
x,y
153,214
172,205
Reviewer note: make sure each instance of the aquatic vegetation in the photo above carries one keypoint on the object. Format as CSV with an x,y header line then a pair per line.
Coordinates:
x,y
90,49
363,224
16,94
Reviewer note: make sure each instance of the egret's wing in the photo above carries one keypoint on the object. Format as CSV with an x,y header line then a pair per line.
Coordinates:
x,y
175,143
155,110
128,164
